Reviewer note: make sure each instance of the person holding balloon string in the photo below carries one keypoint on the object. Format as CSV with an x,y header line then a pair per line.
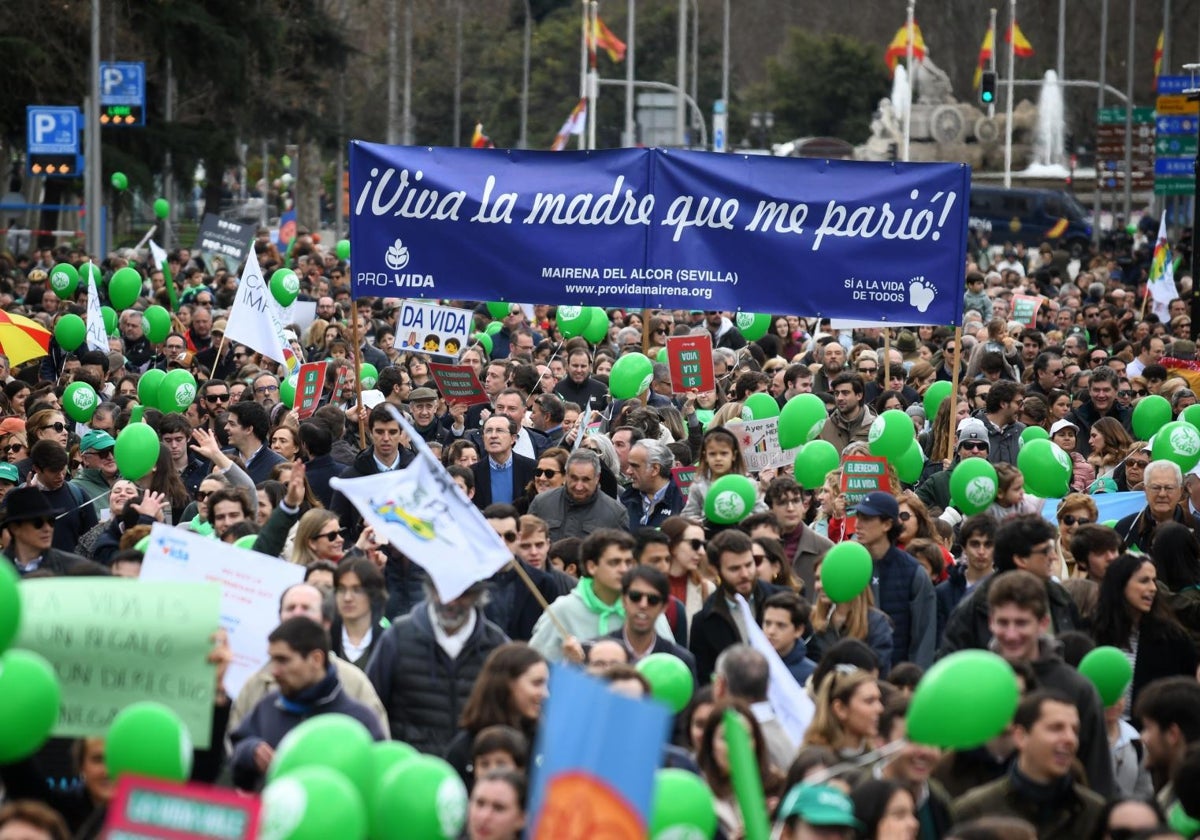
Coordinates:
x,y
1064,434
720,456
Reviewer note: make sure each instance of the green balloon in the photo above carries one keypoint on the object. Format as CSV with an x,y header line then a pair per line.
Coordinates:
x,y
1149,415
670,680
752,325
143,545
384,756
499,309
761,406
10,605
247,542
64,280
136,451
342,249
911,464
682,807
815,460
148,387
1191,414
1109,671
891,434
1034,433
1178,442
119,181
730,499
368,375
1047,469
973,485
596,331
1182,822
336,741
79,401
572,320
969,679
90,272
493,328
287,391
846,571
801,420
483,340
176,392
110,319
285,287
125,287
422,797
30,709
934,396
162,208
158,323
70,332
313,803
630,375
661,358
148,739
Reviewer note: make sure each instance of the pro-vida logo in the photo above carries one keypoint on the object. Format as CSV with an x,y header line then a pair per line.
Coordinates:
x,y
396,258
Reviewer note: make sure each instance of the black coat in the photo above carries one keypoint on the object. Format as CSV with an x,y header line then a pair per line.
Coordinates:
x,y
669,505
364,464
423,689
967,626
522,474
512,607
319,471
713,628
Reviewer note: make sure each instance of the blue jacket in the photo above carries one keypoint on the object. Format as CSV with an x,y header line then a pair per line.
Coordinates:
x,y
669,505
948,593
798,663
904,591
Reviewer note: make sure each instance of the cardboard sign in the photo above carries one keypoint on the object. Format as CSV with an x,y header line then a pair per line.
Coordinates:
x,y
759,442
114,641
862,474
1025,309
343,388
251,585
691,361
223,239
151,808
683,478
436,330
458,383
310,384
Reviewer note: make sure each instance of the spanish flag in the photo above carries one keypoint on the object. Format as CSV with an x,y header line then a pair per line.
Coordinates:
x,y
1021,46
898,49
603,38
985,54
1158,51
479,140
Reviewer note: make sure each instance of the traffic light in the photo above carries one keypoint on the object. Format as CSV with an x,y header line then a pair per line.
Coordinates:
x,y
987,87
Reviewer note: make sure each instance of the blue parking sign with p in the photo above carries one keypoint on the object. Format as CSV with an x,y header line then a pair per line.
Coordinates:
x,y
52,130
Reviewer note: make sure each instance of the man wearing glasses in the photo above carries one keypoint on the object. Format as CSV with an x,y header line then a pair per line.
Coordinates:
x,y
266,390
652,496
790,503
99,471
972,443
214,400
29,520
644,594
1047,374
1164,497
1102,388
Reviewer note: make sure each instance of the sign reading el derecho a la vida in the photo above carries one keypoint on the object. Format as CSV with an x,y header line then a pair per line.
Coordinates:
x,y
114,641
862,474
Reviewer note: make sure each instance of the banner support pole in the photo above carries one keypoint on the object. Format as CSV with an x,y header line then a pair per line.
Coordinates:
x,y
362,421
953,394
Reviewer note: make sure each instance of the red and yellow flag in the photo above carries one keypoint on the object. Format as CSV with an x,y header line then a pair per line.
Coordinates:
x,y
985,54
1021,46
603,38
1158,51
479,140
898,48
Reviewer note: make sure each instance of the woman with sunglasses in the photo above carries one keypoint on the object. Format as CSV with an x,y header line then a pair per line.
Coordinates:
x,y
550,472
1074,510
318,537
770,562
48,424
14,448
1131,474
660,329
688,573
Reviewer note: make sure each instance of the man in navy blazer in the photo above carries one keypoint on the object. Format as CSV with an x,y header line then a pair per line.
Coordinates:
x,y
501,475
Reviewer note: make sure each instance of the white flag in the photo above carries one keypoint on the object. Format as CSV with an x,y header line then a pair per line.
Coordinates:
x,y
97,335
1162,275
424,514
158,255
792,706
255,317
575,124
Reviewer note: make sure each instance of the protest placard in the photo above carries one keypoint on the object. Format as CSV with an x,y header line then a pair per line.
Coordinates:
x,y
152,808
115,641
458,383
343,387
437,330
1025,309
222,239
683,478
759,442
310,385
862,474
691,362
250,586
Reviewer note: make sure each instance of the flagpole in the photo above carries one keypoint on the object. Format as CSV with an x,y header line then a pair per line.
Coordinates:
x,y
992,59
583,70
1008,105
593,83
909,54
630,39
362,421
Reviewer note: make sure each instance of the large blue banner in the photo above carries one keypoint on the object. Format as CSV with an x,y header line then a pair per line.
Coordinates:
x,y
661,228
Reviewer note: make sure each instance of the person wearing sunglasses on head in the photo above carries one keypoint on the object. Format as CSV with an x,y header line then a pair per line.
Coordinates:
x,y
29,522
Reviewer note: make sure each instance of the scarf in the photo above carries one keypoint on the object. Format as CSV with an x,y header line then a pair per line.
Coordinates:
x,y
593,603
306,699
1046,799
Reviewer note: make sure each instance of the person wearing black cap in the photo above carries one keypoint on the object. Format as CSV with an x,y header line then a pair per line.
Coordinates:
x,y
901,588
29,518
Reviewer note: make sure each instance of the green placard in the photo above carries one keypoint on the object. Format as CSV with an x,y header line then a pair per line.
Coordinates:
x,y
1175,186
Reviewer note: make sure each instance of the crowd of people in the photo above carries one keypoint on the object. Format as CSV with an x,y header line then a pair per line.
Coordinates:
x,y
615,556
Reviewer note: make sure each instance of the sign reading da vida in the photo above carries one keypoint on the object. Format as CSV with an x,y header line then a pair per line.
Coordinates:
x,y
662,229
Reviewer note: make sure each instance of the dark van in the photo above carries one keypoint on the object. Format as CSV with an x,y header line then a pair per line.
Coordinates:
x,y
1031,217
